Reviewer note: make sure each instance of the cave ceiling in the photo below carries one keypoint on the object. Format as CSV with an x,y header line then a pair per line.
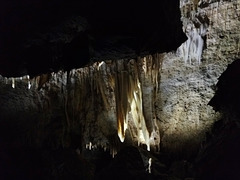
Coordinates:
x,y
43,36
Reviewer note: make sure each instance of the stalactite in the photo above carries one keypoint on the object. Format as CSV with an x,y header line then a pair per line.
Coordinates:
x,y
101,86
150,165
149,79
129,98
121,94
89,146
113,152
135,99
13,82
191,50
123,78
29,82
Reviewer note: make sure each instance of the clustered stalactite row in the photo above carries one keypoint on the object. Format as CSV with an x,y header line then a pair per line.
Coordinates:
x,y
104,100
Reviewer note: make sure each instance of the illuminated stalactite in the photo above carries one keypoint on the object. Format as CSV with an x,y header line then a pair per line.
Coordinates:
x,y
133,82
128,96
150,67
13,82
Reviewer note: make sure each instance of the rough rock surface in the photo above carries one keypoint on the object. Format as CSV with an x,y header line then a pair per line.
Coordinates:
x,y
188,79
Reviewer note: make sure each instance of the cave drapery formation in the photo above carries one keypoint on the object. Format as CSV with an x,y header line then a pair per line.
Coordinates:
x,y
129,92
104,99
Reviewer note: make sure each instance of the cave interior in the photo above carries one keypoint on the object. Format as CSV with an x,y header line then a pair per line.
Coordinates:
x,y
67,66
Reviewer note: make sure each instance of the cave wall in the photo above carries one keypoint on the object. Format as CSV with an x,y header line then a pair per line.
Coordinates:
x,y
159,102
189,76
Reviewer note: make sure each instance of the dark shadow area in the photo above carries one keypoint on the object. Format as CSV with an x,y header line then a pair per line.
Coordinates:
x,y
44,36
219,158
227,96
